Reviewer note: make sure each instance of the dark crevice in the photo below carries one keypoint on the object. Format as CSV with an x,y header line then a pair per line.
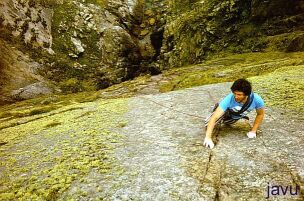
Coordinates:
x,y
218,183
157,41
3,143
217,196
208,165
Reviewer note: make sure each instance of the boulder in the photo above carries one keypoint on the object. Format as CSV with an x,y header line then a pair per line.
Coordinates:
x,y
32,91
17,70
78,45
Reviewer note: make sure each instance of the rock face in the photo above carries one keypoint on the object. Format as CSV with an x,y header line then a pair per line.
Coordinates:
x,y
196,31
17,70
31,23
265,9
90,42
163,156
149,148
32,91
119,52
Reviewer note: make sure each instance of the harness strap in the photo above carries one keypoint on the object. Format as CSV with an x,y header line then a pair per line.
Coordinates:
x,y
244,107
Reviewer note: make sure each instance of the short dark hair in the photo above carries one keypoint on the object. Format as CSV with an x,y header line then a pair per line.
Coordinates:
x,y
242,85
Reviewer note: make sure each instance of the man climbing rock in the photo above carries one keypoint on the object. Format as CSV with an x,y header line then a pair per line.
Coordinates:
x,y
234,107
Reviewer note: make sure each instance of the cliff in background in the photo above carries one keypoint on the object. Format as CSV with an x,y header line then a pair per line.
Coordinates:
x,y
83,45
75,45
196,30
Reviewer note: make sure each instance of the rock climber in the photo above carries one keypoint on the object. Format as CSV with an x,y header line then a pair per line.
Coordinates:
x,y
235,106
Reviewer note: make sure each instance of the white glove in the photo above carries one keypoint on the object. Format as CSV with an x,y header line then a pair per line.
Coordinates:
x,y
208,143
251,134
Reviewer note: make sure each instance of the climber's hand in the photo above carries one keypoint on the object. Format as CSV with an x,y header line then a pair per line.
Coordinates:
x,y
251,134
208,142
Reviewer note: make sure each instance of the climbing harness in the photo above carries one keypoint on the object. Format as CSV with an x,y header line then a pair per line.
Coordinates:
x,y
226,117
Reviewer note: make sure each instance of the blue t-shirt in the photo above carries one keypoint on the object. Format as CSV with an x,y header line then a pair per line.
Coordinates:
x,y
229,103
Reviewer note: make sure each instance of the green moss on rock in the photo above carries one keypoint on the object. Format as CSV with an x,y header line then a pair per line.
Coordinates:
x,y
196,31
283,89
228,68
43,157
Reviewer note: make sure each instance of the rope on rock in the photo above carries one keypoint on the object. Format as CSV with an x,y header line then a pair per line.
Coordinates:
x,y
216,129
192,115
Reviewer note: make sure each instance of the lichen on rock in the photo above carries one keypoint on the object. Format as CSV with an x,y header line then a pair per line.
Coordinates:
x,y
44,157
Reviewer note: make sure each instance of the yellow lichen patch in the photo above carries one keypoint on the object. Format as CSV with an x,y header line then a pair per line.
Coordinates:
x,y
149,12
151,21
144,32
283,88
43,157
44,104
229,68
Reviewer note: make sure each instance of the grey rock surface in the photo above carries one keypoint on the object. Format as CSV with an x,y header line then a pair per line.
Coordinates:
x,y
32,24
165,145
32,91
17,70
157,153
163,158
78,45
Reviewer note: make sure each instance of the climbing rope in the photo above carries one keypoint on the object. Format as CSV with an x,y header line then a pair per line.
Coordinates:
x,y
218,125
192,115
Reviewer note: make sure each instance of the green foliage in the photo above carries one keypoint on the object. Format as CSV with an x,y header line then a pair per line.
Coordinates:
x,y
46,3
101,3
42,106
286,42
70,85
66,67
63,16
207,27
179,6
27,112
139,10
73,85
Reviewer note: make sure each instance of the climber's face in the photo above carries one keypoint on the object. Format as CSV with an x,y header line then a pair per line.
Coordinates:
x,y
239,96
